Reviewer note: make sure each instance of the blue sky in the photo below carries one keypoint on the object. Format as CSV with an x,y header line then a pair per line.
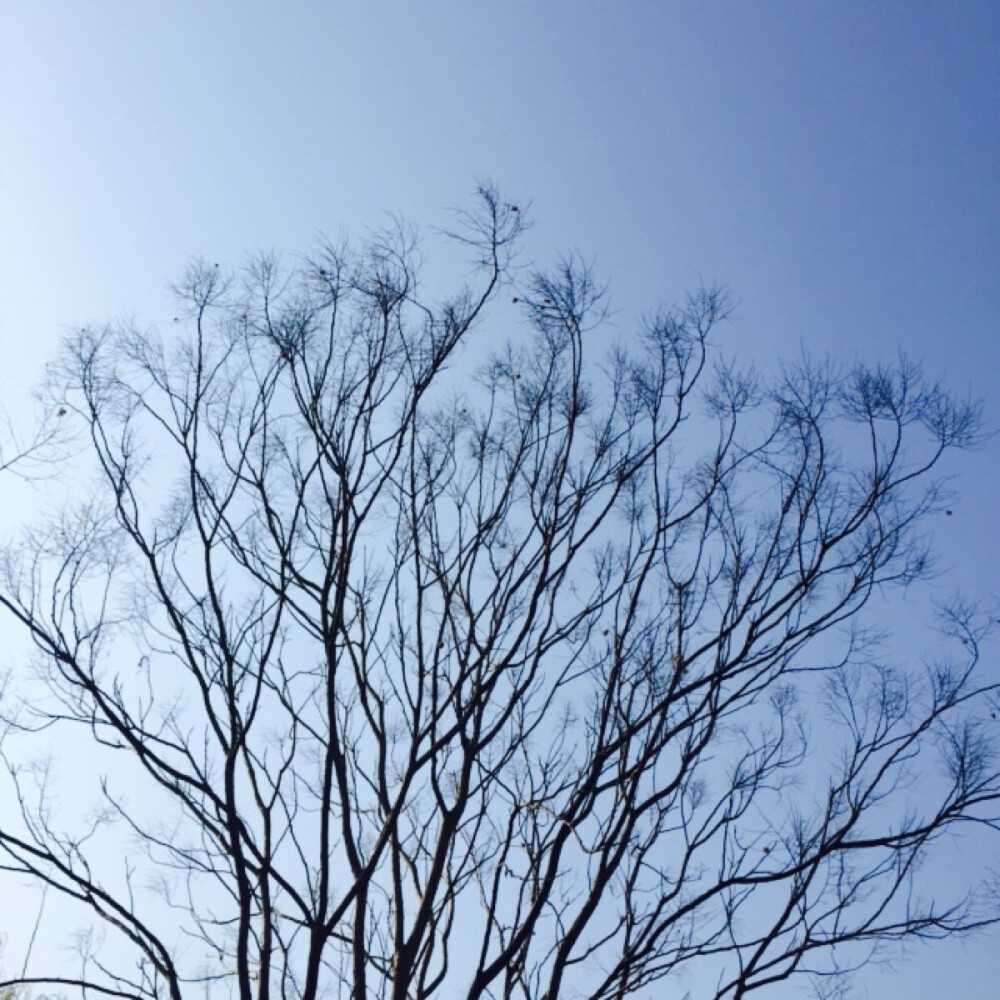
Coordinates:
x,y
837,165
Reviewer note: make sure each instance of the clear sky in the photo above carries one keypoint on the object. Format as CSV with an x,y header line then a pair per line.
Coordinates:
x,y
836,164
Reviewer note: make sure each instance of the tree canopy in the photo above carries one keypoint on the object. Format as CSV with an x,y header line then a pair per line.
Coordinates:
x,y
414,659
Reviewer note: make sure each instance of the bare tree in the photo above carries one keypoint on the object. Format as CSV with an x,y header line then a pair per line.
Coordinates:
x,y
539,670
